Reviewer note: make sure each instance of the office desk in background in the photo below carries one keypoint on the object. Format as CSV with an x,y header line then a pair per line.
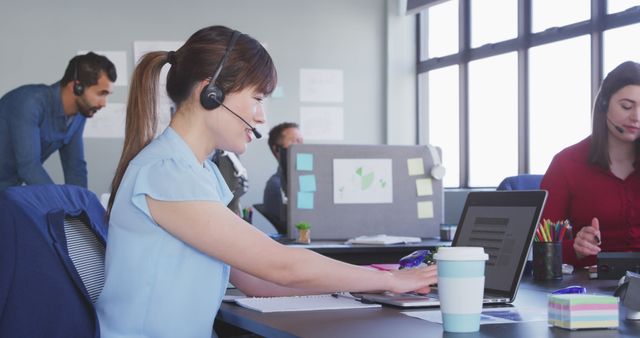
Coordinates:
x,y
389,322
368,254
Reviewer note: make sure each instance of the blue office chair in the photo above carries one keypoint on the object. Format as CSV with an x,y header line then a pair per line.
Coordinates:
x,y
52,244
521,182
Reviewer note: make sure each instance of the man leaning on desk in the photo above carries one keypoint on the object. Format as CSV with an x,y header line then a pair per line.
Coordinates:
x,y
37,120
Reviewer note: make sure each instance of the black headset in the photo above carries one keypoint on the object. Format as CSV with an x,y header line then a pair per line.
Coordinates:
x,y
78,88
212,96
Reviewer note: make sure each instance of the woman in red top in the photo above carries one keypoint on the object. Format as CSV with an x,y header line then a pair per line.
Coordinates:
x,y
595,184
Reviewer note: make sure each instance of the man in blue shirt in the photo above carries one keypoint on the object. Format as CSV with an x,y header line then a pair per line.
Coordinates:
x,y
36,120
274,198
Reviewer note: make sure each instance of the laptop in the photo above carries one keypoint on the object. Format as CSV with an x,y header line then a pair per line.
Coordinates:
x,y
503,223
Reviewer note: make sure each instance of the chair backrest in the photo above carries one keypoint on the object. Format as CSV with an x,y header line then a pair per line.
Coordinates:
x,y
52,242
521,182
86,253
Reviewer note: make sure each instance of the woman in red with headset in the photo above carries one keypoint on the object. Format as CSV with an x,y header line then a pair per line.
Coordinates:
x,y
595,184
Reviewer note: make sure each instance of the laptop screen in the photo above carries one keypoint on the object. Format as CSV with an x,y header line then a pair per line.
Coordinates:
x,y
503,223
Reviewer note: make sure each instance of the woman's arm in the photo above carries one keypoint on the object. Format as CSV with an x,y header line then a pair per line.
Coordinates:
x,y
557,208
211,228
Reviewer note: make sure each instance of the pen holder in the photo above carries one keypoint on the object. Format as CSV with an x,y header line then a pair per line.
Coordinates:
x,y
547,260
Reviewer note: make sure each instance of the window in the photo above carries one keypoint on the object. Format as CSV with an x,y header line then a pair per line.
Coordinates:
x,y
559,99
443,30
553,13
444,119
501,96
493,125
620,44
493,21
615,6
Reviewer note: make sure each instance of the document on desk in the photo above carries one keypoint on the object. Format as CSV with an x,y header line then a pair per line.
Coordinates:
x,y
489,316
383,240
301,303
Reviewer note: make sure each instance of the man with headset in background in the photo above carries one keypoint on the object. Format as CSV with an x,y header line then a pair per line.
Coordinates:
x,y
37,119
274,198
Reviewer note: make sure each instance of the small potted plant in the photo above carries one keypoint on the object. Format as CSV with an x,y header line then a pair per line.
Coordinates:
x,y
304,232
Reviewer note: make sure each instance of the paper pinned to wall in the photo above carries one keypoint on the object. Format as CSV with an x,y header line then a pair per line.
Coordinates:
x,y
143,47
415,166
108,122
362,181
119,59
321,85
304,161
425,209
322,123
424,187
165,106
305,200
307,183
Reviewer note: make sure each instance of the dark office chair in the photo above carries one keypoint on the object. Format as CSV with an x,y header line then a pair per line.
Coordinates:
x,y
521,182
52,244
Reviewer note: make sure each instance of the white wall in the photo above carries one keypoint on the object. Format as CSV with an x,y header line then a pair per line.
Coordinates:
x,y
367,39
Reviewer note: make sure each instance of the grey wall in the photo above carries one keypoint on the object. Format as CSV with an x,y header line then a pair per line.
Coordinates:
x,y
370,40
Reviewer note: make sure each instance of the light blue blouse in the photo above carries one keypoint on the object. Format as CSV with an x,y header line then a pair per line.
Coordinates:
x,y
156,285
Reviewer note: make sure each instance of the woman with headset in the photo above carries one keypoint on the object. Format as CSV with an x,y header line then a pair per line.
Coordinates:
x,y
595,184
173,245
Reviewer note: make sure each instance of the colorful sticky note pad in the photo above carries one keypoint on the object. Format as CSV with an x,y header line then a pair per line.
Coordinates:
x,y
304,161
425,209
305,200
307,183
416,166
424,187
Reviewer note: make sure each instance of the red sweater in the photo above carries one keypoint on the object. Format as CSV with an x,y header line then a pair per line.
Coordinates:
x,y
579,191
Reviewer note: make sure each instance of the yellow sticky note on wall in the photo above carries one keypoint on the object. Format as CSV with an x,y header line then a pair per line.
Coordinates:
x,y
424,187
416,166
425,209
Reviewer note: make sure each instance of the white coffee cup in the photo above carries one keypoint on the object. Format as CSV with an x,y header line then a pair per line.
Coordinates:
x,y
461,287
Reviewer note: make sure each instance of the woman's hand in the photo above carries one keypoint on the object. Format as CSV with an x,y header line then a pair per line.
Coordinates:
x,y
587,241
416,279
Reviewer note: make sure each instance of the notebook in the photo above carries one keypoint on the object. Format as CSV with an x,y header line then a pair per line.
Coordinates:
x,y
503,223
301,303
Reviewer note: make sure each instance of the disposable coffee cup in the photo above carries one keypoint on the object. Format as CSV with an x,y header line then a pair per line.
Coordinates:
x,y
461,287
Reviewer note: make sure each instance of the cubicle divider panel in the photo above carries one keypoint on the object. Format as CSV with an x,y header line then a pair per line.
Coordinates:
x,y
345,191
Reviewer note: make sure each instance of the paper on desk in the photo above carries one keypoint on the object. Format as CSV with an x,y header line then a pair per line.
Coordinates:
x,y
489,316
383,239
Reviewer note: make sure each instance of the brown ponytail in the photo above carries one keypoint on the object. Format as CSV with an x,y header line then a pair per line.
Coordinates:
x,y
248,65
142,116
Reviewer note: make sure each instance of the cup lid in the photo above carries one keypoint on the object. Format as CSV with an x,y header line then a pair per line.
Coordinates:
x,y
461,253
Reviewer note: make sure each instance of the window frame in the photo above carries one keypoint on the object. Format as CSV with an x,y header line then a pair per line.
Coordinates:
x,y
599,22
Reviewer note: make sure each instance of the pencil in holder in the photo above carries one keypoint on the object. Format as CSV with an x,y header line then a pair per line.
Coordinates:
x,y
547,260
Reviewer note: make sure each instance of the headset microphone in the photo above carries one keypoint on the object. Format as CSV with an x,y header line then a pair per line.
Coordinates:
x,y
618,128
255,131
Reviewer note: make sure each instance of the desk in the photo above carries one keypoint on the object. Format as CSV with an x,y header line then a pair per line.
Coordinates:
x,y
363,254
388,322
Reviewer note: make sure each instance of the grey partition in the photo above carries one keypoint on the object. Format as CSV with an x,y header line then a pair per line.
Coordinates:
x,y
316,204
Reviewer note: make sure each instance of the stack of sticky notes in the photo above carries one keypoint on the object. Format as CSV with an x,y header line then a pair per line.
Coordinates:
x,y
583,311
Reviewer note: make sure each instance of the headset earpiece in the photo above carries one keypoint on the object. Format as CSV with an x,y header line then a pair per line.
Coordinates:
x,y
212,96
78,88
437,170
